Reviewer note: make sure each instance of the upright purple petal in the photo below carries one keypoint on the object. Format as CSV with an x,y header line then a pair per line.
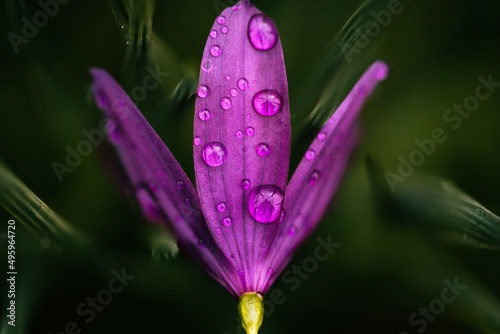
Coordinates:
x,y
162,188
318,175
242,136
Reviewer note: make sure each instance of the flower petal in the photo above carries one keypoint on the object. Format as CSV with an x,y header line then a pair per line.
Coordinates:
x,y
319,173
242,136
163,190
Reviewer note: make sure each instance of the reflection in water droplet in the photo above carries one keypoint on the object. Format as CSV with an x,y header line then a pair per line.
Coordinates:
x,y
250,131
221,206
225,103
262,32
265,203
221,19
214,154
245,183
204,114
263,150
242,83
215,50
267,102
313,177
227,221
203,91
196,141
310,154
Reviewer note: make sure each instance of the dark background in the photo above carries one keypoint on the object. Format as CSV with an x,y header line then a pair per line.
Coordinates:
x,y
382,272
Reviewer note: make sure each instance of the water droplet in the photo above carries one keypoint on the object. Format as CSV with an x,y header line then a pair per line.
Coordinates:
x,y
281,120
239,134
267,102
114,132
263,150
250,131
221,19
310,154
196,141
221,206
214,154
204,114
262,32
203,91
225,103
242,83
265,203
236,7
218,230
224,30
313,177
214,33
206,65
241,272
227,221
232,256
321,136
233,92
249,116
215,50
179,184
228,77
245,183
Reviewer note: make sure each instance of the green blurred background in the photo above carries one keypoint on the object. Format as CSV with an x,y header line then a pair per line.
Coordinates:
x,y
384,270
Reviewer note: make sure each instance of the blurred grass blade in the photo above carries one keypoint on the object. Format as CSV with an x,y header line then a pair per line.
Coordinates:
x,y
436,205
24,205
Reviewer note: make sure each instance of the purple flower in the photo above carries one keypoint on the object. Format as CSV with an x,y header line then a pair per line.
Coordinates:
x,y
243,222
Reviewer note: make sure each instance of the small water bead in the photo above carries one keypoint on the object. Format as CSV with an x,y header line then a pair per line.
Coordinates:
x,y
239,134
214,33
314,177
179,184
232,256
227,221
221,206
263,150
228,77
242,83
233,92
206,65
249,116
310,154
214,154
321,136
245,183
267,102
224,30
226,103
204,114
218,230
241,272
265,203
203,91
215,50
221,19
250,131
196,141
262,33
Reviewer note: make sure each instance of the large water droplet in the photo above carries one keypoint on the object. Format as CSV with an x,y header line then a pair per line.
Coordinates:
x,y
250,131
265,203
314,177
206,65
213,33
263,150
214,154
204,114
267,102
196,141
224,30
226,103
262,32
310,154
242,83
227,221
221,206
215,50
203,91
245,183
221,19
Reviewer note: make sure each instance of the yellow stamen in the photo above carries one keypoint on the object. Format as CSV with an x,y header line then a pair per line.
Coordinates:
x,y
251,311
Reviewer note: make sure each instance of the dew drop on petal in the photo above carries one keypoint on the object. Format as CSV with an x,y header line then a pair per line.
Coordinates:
x,y
250,131
245,183
179,184
242,83
221,19
228,77
241,272
196,141
224,30
263,150
114,133
239,134
265,203
215,50
310,154
214,154
214,33
227,221
232,256
267,102
226,103
203,91
221,206
233,92
204,114
206,65
262,32
314,177
321,136
218,230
